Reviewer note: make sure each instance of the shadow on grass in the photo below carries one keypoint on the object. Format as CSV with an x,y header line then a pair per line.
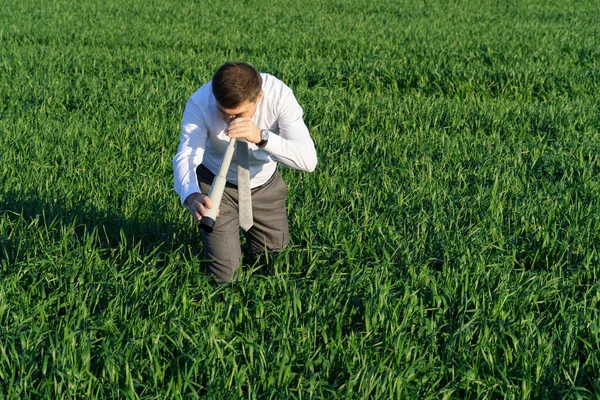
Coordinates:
x,y
25,214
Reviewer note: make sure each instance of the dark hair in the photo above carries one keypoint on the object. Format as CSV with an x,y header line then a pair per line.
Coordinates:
x,y
235,83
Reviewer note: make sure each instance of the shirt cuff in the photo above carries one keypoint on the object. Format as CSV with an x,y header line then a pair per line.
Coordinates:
x,y
185,192
273,144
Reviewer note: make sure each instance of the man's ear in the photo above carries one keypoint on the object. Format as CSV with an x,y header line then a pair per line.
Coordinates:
x,y
260,96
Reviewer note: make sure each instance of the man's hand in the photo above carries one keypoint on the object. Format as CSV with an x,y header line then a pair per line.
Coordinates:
x,y
243,128
197,204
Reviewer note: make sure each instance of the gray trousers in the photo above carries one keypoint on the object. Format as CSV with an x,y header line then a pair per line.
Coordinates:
x,y
269,232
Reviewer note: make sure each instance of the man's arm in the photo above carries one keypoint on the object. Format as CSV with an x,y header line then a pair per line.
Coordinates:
x,y
293,147
191,151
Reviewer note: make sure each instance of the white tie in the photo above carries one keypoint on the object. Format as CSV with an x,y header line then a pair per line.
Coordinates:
x,y
244,199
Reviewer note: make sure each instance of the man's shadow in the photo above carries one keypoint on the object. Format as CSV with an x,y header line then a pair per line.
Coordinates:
x,y
160,233
29,223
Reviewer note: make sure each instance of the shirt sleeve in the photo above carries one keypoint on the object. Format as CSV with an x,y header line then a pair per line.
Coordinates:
x,y
191,150
293,147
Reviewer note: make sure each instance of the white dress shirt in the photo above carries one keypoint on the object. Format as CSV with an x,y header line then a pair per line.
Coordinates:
x,y
203,140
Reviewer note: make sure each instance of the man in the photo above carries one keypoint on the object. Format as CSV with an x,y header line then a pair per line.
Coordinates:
x,y
263,115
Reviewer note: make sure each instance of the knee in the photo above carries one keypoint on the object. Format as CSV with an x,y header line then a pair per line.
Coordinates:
x,y
221,271
222,254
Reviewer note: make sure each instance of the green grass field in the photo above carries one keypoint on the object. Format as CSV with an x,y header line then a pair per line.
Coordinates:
x,y
447,246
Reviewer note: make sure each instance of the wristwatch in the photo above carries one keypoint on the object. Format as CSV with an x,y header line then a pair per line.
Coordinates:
x,y
264,138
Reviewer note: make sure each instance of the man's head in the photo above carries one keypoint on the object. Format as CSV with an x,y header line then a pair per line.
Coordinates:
x,y
238,89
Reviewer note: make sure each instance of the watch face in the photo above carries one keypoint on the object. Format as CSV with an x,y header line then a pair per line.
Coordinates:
x,y
264,135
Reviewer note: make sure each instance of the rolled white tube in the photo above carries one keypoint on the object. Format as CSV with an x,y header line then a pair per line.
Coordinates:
x,y
216,190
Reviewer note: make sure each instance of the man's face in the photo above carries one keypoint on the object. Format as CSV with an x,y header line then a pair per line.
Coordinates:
x,y
246,109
